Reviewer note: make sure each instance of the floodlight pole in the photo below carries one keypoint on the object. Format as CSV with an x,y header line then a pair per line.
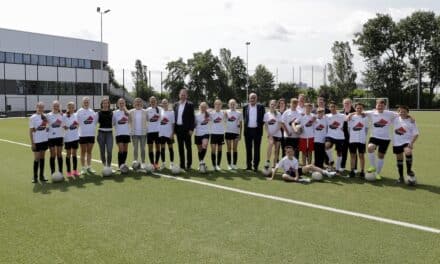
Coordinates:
x,y
247,68
419,78
98,9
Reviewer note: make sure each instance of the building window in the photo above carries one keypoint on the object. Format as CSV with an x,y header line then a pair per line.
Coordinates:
x,y
68,62
49,61
87,64
74,63
34,59
9,57
18,58
26,58
2,56
62,62
80,63
96,64
42,60
56,61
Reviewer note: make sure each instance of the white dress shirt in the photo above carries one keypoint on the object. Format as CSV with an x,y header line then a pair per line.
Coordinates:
x,y
252,116
180,113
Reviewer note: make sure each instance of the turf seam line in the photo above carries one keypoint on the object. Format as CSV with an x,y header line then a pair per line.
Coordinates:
x,y
285,200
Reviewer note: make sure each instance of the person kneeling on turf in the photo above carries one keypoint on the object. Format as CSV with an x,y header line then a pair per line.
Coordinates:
x,y
292,171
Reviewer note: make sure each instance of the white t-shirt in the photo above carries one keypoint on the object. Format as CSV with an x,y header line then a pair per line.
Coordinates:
x,y
138,122
202,124
358,129
153,117
307,122
233,120
288,165
320,129
166,124
41,127
218,123
120,122
179,120
381,123
404,131
87,119
55,125
72,124
252,122
289,117
335,124
300,109
273,123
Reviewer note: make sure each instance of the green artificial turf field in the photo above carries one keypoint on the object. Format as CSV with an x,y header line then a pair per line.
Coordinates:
x,y
140,218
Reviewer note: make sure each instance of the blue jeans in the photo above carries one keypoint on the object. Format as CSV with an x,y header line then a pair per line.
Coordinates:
x,y
139,140
105,141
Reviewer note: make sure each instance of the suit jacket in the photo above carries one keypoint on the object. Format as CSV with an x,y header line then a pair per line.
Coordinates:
x,y
188,117
260,116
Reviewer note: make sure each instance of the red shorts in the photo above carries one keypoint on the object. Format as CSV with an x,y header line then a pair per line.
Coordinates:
x,y
306,144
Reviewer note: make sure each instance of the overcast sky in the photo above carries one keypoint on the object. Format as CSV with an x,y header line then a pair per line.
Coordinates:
x,y
283,33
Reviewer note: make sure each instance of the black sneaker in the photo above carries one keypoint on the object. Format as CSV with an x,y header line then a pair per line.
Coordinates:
x,y
362,175
43,179
411,174
35,180
352,174
400,180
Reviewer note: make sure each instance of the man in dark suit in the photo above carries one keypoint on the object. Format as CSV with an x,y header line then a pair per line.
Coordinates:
x,y
185,122
253,114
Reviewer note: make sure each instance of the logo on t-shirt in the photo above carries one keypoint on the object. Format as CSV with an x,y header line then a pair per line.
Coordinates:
x,y
89,120
310,123
74,125
292,121
400,131
218,120
123,120
231,118
320,127
57,123
358,126
164,121
155,118
291,171
335,125
42,126
271,121
205,121
380,123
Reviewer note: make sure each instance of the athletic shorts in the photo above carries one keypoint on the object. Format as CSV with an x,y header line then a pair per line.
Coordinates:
x,y
55,142
217,139
292,174
399,149
152,138
276,139
306,144
71,144
231,136
125,139
166,140
293,142
381,143
86,140
42,146
339,143
198,139
357,147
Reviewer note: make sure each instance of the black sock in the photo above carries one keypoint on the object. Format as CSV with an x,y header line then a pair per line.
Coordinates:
x,y
408,163
41,168
75,162
213,160
162,154
124,157
151,157
203,153
68,164
35,169
119,159
52,164
60,164
229,157
234,157
219,157
157,156
171,154
400,168
199,153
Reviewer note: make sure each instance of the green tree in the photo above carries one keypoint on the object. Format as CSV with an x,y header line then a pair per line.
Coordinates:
x,y
286,91
341,73
235,71
140,79
262,82
175,79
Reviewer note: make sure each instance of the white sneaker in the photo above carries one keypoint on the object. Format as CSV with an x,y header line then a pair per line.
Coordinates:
x,y
171,166
329,174
234,167
229,167
217,168
162,166
341,170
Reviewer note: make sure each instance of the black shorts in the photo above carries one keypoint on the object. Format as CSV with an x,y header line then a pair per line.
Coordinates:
x,y
125,139
198,139
293,142
381,143
277,139
399,149
55,142
86,140
339,143
356,148
292,174
231,136
42,146
152,138
166,140
71,144
217,139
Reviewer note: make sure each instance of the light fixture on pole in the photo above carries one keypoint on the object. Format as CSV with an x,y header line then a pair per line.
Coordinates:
x,y
98,9
247,68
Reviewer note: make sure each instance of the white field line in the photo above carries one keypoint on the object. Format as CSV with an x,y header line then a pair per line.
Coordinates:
x,y
285,200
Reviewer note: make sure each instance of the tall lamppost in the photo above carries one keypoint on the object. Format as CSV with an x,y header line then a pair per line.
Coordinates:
x,y
247,68
98,9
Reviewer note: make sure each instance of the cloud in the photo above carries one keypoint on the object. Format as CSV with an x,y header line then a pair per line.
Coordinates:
x,y
278,32
228,5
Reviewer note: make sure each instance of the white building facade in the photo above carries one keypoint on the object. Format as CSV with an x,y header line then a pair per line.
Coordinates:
x,y
37,67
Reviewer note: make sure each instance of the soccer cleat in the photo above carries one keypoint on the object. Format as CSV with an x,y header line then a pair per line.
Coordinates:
x,y
162,166
217,168
75,173
234,167
69,174
411,180
229,167
171,166
378,177
362,175
329,174
352,174
400,180
371,169
411,174
35,180
90,170
84,171
43,179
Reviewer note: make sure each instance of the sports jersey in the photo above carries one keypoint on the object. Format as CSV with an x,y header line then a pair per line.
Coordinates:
x,y
153,118
202,124
288,165
40,127
87,122
300,109
307,122
166,124
289,117
55,122
273,121
72,124
120,122
358,128
217,124
320,130
335,123
233,119
381,123
404,131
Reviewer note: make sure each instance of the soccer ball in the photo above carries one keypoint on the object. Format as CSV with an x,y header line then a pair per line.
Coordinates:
x,y
175,170
370,176
298,129
136,165
411,181
57,177
317,176
267,171
148,168
124,168
107,171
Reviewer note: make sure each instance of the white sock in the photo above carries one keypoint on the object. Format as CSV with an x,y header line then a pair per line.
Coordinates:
x,y
329,155
338,162
379,165
372,158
